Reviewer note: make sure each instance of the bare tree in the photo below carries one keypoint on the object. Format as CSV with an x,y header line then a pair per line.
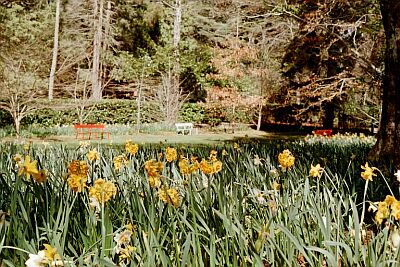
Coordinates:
x,y
168,98
18,91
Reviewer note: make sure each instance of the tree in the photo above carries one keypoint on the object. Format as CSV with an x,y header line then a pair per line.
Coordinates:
x,y
388,137
98,6
55,49
330,55
17,93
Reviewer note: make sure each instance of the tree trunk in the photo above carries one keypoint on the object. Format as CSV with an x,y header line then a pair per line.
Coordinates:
x,y
388,137
259,120
55,50
98,24
176,40
329,115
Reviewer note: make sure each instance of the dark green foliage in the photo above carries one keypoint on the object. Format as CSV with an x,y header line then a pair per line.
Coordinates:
x,y
138,27
5,118
192,112
108,112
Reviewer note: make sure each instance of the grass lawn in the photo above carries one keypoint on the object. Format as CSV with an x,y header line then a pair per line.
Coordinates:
x,y
167,137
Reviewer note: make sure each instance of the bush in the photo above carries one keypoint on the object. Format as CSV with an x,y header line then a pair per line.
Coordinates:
x,y
106,111
192,112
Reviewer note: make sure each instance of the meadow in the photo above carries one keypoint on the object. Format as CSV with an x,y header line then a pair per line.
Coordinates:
x,y
311,202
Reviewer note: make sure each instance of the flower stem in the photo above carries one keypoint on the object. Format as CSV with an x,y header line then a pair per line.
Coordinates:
x,y
363,203
103,232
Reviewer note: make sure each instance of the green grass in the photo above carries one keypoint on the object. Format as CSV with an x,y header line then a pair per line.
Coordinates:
x,y
231,218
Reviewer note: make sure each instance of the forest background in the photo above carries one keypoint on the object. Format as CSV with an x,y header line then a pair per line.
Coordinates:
x,y
304,62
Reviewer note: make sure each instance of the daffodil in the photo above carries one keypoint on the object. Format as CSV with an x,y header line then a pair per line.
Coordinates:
x,y
286,159
77,182
84,144
257,160
368,172
40,177
259,196
316,171
186,167
93,155
169,196
122,239
47,256
212,165
131,148
125,255
94,204
119,161
36,260
395,206
153,167
171,154
395,239
77,175
276,186
102,190
397,174
18,158
78,167
28,167
51,253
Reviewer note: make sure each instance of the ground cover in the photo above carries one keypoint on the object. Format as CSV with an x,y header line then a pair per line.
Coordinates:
x,y
244,203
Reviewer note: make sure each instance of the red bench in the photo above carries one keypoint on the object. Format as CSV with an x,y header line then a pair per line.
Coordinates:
x,y
90,131
323,132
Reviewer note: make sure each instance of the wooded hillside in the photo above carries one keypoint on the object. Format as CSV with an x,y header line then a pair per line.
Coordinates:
x,y
297,61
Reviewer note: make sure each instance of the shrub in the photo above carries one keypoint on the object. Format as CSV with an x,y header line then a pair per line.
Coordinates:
x,y
106,111
192,112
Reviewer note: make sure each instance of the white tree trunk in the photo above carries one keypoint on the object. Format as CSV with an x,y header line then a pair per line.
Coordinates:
x,y
259,116
176,39
55,50
177,23
98,24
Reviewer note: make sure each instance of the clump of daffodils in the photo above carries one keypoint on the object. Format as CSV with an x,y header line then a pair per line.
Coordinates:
x,y
46,257
120,161
212,165
29,168
77,175
131,148
154,169
171,154
286,159
102,190
187,166
169,196
368,172
390,207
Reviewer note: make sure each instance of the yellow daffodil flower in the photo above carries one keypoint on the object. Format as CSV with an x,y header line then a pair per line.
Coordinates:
x,y
131,148
316,171
368,172
286,159
93,155
171,154
28,167
102,190
169,196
